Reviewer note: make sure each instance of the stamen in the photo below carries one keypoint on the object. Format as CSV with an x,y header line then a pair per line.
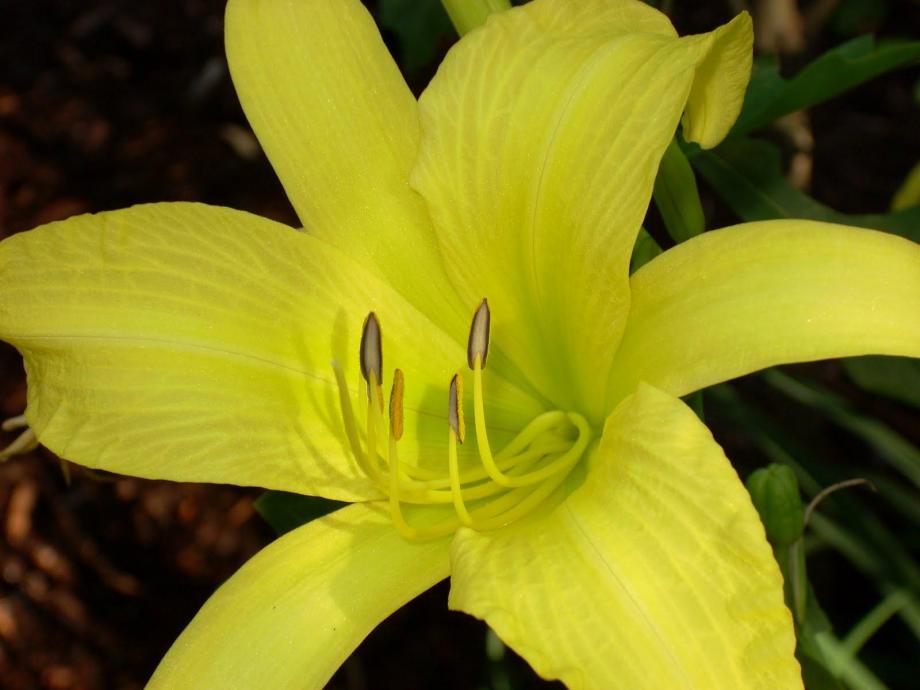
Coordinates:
x,y
455,419
485,450
396,514
455,408
396,412
372,355
520,507
399,520
374,412
478,344
503,488
396,405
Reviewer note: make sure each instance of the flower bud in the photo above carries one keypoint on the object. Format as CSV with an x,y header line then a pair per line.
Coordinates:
x,y
775,493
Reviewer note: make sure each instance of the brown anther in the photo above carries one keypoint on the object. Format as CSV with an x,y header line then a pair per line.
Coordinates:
x,y
396,405
478,343
371,352
455,408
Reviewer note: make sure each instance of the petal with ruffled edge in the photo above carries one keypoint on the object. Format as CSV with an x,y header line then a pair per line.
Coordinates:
x,y
541,136
294,612
654,573
744,298
340,127
194,343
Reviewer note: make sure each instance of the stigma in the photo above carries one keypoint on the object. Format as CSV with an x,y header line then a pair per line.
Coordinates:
x,y
503,487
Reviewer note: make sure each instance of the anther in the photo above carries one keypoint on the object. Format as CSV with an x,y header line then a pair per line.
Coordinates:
x,y
371,352
455,408
396,405
478,344
371,357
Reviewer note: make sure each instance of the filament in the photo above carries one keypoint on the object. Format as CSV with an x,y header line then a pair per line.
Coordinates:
x,y
501,488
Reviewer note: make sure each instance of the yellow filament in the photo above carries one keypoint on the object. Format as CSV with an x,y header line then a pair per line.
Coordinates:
x,y
506,458
510,507
485,451
455,492
513,505
432,491
408,531
374,413
396,404
505,487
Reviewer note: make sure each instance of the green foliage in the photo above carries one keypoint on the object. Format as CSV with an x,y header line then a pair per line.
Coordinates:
x,y
645,250
775,493
897,378
421,26
747,174
813,626
854,17
770,96
855,531
892,448
676,195
286,511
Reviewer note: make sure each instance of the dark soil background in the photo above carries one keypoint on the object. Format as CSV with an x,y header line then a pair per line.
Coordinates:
x,y
105,104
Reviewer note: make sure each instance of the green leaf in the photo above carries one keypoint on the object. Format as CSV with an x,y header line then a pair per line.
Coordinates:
x,y
747,175
645,249
893,377
696,403
856,17
676,195
286,511
421,26
864,540
908,194
815,668
467,15
891,447
769,96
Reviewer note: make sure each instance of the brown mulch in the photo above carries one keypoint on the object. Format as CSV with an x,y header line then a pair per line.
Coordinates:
x,y
106,104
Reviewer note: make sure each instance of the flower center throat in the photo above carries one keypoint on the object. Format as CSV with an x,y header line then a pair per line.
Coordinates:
x,y
505,485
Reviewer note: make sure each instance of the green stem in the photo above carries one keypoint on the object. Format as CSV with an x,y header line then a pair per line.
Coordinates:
x,y
910,614
798,580
677,197
466,15
843,666
872,621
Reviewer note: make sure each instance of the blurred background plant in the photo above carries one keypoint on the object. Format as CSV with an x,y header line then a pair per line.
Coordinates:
x,y
105,104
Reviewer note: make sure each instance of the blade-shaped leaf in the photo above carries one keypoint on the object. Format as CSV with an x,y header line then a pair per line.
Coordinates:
x,y
770,96
747,174
421,27
286,511
891,447
815,667
894,377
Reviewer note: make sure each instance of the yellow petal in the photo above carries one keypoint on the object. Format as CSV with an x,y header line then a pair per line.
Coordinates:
x,y
194,343
655,573
541,135
340,127
720,83
291,615
740,299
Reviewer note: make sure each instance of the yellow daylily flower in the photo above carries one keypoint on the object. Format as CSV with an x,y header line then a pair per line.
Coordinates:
x,y
607,538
